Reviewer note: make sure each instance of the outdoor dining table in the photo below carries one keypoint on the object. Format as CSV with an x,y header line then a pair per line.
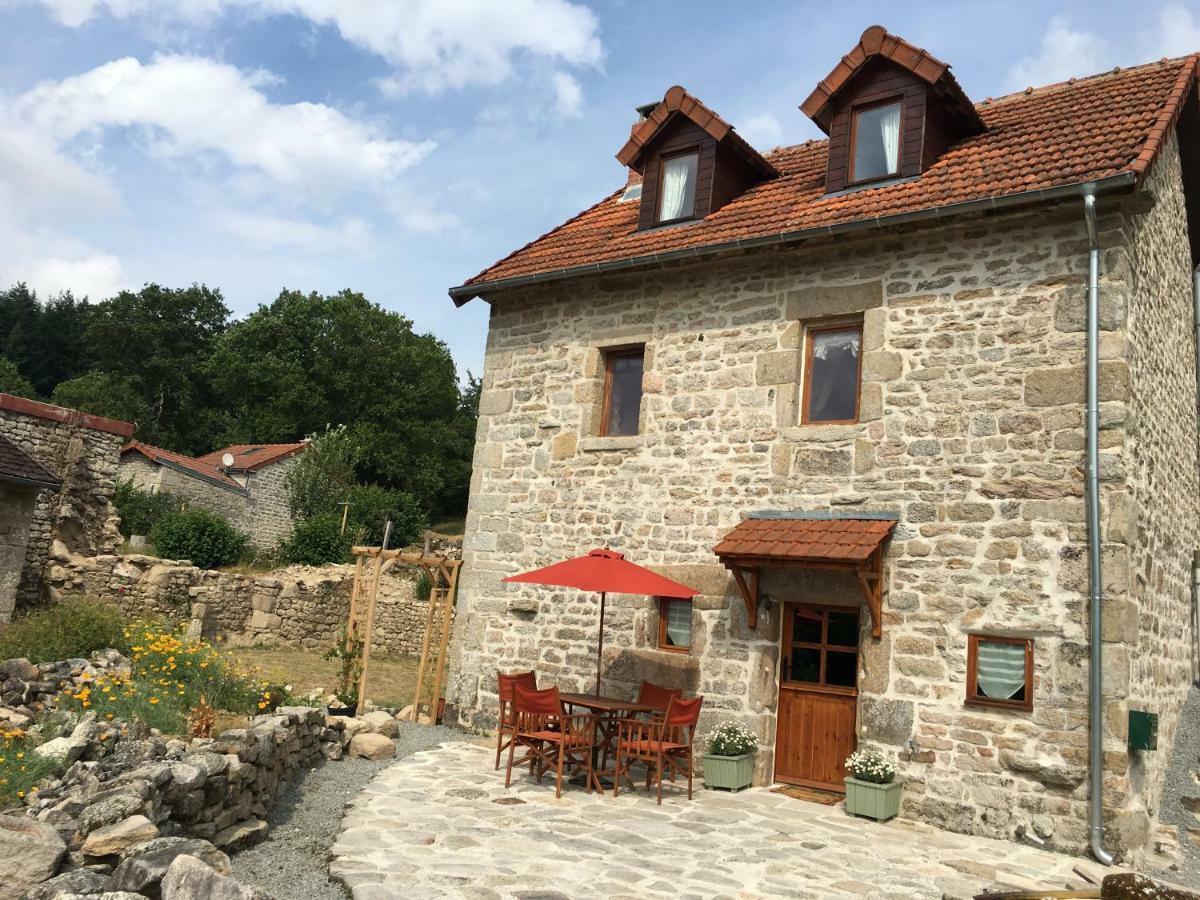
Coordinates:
x,y
608,711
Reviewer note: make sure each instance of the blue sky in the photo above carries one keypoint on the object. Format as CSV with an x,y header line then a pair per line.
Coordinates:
x,y
397,147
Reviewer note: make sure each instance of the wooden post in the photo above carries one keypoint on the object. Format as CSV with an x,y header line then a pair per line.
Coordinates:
x,y
447,613
432,575
355,591
377,570
345,504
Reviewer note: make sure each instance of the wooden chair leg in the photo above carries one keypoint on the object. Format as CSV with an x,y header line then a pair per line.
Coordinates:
x,y
689,771
512,745
659,775
618,771
562,749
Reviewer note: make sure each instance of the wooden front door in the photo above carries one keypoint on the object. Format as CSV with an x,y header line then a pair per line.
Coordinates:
x,y
818,693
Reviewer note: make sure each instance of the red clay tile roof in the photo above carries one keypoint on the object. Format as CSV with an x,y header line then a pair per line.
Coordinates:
x,y
184,463
53,413
252,457
1053,137
828,540
18,467
678,101
877,42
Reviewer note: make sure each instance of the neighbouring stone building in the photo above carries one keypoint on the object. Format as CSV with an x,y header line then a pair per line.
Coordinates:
x,y
248,490
856,368
57,473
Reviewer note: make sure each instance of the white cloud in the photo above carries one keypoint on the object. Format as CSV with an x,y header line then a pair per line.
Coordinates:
x,y
268,232
435,45
1177,34
1064,52
763,131
96,276
192,105
568,95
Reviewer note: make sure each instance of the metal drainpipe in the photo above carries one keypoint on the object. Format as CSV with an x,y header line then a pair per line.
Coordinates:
x,y
1095,585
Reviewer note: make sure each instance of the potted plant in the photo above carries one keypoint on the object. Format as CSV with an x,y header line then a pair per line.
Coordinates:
x,y
872,789
729,762
348,650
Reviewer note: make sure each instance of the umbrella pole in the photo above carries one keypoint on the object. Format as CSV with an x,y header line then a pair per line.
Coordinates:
x,y
600,651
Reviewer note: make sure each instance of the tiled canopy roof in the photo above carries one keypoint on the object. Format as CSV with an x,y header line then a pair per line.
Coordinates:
x,y
18,467
1053,137
251,457
805,540
184,463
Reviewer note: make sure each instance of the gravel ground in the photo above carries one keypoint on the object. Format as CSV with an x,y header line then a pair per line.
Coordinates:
x,y
292,862
1181,783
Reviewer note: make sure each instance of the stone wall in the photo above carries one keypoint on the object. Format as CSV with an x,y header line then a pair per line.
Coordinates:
x,y
267,518
17,504
300,606
971,431
82,451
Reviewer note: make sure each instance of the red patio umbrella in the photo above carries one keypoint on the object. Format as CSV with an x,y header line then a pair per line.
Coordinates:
x,y
605,571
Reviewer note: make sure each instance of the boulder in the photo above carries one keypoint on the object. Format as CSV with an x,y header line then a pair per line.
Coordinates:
x,y
1047,771
241,834
31,851
119,836
372,746
112,809
352,726
77,882
144,866
188,878
20,668
381,723
68,749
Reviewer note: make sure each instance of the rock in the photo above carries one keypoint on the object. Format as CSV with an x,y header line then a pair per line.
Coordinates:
x,y
144,866
1047,772
117,837
68,749
405,714
372,746
1131,886
20,669
110,810
352,726
12,718
31,851
241,834
78,882
332,750
381,723
188,878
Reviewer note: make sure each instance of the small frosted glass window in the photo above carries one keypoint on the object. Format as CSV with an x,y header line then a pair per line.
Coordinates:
x,y
1000,671
675,624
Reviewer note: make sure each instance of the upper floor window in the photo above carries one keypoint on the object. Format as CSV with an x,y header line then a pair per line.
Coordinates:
x,y
831,374
622,391
1000,671
875,142
677,187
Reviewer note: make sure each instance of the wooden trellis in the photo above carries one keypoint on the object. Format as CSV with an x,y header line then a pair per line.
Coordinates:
x,y
442,573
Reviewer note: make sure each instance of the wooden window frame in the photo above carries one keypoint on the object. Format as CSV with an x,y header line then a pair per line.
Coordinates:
x,y
611,354
658,193
851,181
663,603
855,325
973,696
824,647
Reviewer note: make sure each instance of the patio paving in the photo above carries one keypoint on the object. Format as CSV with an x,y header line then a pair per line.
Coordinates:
x,y
441,824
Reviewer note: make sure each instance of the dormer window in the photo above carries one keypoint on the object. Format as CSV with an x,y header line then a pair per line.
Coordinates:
x,y
677,190
875,141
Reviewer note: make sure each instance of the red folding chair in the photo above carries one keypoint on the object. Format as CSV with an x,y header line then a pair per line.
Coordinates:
x,y
552,739
506,726
661,745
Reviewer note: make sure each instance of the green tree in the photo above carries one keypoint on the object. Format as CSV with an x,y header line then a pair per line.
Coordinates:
x,y
105,394
13,382
162,339
305,360
44,339
321,477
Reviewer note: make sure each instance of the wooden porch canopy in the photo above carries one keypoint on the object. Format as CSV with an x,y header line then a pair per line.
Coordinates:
x,y
815,540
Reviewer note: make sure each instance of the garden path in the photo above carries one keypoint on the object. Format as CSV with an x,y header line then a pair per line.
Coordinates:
x,y
441,824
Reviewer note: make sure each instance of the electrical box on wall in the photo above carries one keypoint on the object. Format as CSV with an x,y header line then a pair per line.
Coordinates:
x,y
1143,730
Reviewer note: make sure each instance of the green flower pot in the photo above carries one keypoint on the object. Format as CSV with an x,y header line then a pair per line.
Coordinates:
x,y
728,773
873,801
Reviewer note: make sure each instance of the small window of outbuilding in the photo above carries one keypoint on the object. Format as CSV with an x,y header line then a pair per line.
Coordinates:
x,y
674,624
622,391
832,369
677,187
875,142
1000,671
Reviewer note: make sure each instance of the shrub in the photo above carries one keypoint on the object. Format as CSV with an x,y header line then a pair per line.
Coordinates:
x,y
66,630
423,589
140,510
321,476
371,506
196,534
316,541
20,768
872,766
732,739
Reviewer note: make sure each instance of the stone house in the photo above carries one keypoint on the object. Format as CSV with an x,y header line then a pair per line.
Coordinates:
x,y
913,408
243,483
57,472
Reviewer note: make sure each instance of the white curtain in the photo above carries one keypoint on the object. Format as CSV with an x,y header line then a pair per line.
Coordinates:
x,y
1000,669
823,342
889,130
678,188
679,623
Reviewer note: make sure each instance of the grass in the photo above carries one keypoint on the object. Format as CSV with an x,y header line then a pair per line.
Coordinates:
x,y
450,527
391,680
20,767
66,630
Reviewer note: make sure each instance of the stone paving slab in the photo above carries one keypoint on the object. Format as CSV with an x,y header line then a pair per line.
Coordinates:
x,y
431,826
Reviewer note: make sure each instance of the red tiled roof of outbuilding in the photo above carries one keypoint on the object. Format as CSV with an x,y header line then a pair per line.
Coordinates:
x,y
1057,136
252,457
182,461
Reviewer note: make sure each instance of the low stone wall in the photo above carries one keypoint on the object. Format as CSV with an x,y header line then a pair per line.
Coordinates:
x,y
300,606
